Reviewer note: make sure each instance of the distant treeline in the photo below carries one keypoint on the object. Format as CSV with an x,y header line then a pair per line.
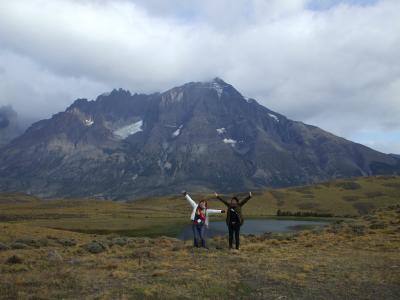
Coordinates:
x,y
303,214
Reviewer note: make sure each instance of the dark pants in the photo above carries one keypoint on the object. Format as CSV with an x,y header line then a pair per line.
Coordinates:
x,y
199,235
234,229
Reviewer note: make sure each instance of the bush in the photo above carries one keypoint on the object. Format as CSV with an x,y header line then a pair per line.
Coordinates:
x,y
67,242
363,207
3,247
53,255
12,260
120,241
395,185
374,194
303,214
336,227
358,229
348,185
386,177
33,243
18,245
378,225
95,247
350,198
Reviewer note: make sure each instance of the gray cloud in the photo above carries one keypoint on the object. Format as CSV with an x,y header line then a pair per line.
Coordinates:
x,y
330,63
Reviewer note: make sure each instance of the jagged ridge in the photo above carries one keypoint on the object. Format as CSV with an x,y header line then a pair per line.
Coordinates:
x,y
200,136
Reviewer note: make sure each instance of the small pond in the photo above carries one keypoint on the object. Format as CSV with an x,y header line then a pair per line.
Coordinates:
x,y
256,227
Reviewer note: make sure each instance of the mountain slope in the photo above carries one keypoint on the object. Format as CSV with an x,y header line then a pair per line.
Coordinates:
x,y
200,136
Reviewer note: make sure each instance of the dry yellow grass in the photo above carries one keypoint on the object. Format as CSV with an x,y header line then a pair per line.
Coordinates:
x,y
347,260
357,260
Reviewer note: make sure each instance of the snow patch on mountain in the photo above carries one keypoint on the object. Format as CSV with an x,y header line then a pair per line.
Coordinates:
x,y
221,130
274,117
177,132
89,122
128,130
250,100
230,141
218,88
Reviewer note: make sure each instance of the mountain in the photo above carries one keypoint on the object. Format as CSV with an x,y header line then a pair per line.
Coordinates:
x,y
9,126
201,136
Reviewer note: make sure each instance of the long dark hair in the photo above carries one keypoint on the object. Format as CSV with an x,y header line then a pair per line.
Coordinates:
x,y
203,201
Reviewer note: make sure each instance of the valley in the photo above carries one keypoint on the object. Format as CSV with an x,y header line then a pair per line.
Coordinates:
x,y
84,248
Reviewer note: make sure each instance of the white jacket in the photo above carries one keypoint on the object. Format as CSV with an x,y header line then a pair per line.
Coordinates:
x,y
207,211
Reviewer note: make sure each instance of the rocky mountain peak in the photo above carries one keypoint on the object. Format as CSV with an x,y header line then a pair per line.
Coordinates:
x,y
200,136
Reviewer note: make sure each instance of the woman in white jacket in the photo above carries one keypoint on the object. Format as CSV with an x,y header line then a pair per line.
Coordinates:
x,y
199,218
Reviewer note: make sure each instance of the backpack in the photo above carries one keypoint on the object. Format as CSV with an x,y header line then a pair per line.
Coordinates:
x,y
233,217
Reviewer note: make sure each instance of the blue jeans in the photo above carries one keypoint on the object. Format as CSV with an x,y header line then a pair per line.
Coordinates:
x,y
199,235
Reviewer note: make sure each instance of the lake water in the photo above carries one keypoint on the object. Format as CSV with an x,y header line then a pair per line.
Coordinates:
x,y
255,226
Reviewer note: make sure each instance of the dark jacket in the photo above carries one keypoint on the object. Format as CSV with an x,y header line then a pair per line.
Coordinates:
x,y
237,208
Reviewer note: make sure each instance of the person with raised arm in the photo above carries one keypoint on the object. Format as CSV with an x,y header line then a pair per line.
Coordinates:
x,y
199,218
234,217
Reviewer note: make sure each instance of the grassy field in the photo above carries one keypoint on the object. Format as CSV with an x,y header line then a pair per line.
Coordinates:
x,y
168,215
356,260
90,249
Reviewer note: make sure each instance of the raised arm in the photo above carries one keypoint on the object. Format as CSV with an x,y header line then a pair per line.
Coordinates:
x,y
222,200
215,211
244,201
189,199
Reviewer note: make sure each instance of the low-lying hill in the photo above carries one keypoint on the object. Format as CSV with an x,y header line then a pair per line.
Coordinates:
x,y
344,197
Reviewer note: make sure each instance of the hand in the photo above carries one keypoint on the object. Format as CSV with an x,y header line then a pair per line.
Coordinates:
x,y
216,194
184,193
250,195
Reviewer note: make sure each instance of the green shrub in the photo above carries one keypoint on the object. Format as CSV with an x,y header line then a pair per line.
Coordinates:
x,y
363,207
350,198
378,225
348,185
17,245
3,247
95,247
14,260
374,194
395,185
303,214
358,229
67,242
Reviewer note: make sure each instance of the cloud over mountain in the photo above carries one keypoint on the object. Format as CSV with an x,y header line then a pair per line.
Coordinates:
x,y
329,63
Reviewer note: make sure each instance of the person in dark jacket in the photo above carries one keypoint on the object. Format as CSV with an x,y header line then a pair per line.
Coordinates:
x,y
234,218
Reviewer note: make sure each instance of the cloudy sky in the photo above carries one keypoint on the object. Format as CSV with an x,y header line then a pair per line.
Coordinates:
x,y
330,63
